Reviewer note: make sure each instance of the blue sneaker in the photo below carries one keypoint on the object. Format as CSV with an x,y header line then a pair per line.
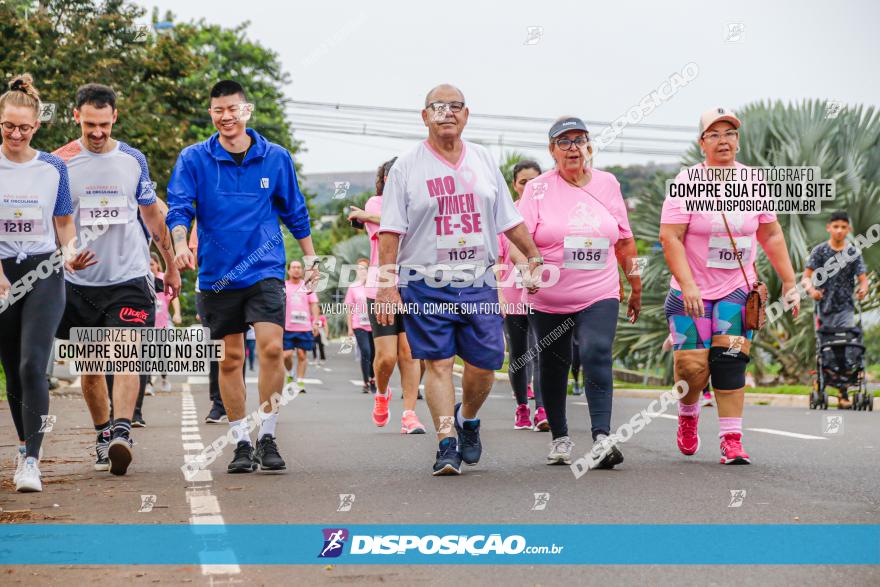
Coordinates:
x,y
469,439
448,458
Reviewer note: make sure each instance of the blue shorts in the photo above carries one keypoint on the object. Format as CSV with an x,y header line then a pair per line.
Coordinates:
x,y
298,340
475,332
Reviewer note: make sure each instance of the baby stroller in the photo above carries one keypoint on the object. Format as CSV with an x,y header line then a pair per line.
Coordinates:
x,y
840,363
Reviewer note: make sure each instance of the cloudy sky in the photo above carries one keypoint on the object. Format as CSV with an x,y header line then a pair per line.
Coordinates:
x,y
593,59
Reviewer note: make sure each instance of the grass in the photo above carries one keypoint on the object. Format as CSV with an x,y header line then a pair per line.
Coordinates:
x,y
779,389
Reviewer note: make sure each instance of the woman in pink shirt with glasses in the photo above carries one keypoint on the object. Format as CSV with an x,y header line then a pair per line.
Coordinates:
x,y
705,307
577,218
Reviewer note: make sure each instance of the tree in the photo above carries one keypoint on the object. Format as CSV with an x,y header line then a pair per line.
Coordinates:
x,y
162,79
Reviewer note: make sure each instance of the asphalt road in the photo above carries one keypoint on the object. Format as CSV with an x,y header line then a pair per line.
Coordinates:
x,y
802,472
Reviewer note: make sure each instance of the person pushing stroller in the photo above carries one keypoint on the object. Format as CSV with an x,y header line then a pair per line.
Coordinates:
x,y
835,308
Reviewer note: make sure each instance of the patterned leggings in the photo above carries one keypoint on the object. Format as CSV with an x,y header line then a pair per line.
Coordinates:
x,y
724,316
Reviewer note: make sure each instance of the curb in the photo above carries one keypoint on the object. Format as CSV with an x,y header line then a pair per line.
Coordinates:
x,y
751,399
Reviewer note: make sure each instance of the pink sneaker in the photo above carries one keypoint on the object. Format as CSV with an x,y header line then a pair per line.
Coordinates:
x,y
522,418
530,394
409,423
541,423
732,452
380,408
688,439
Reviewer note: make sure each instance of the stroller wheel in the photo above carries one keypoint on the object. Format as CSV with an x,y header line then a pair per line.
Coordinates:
x,y
814,400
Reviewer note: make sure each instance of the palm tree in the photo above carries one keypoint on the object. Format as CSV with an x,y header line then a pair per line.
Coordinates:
x,y
345,253
847,149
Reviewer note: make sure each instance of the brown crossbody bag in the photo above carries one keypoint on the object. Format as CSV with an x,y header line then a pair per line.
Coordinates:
x,y
756,301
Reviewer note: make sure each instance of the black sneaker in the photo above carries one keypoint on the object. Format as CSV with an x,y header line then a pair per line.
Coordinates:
x,y
420,396
119,454
267,455
102,463
372,386
613,456
366,388
137,421
468,439
448,458
243,461
217,415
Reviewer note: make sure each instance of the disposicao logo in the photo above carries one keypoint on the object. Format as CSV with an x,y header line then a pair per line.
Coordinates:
x,y
334,541
433,544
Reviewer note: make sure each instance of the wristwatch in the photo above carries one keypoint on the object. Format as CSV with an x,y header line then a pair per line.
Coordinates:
x,y
536,260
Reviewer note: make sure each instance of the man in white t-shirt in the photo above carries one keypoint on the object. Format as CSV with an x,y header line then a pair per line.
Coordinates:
x,y
110,181
444,204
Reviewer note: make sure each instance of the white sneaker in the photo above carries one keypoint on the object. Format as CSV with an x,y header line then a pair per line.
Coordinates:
x,y
148,390
29,478
165,386
20,458
560,451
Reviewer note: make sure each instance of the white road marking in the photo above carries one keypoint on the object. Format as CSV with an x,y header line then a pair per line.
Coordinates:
x,y
312,381
789,434
764,430
202,380
204,505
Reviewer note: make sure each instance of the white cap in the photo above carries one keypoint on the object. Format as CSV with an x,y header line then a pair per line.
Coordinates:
x,y
713,115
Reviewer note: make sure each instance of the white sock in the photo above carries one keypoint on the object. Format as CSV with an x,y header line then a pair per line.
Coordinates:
x,y
461,419
239,430
267,423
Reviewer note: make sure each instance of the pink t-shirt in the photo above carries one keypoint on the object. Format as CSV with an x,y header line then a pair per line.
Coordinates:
x,y
707,245
356,301
576,229
162,301
298,315
514,296
373,206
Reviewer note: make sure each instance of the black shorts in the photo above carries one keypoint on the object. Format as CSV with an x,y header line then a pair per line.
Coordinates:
x,y
380,329
130,304
231,311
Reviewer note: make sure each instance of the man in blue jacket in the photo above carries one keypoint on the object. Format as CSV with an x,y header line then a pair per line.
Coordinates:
x,y
237,185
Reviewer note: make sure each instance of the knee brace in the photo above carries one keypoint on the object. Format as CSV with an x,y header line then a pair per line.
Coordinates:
x,y
693,367
728,358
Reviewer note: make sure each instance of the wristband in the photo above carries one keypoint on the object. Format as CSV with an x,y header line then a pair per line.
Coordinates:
x,y
536,260
314,260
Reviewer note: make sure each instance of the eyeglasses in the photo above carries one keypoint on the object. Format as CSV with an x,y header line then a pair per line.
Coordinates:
x,y
22,128
565,144
714,136
451,106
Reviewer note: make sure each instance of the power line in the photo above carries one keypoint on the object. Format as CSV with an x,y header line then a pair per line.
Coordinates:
x,y
329,129
379,122
534,119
